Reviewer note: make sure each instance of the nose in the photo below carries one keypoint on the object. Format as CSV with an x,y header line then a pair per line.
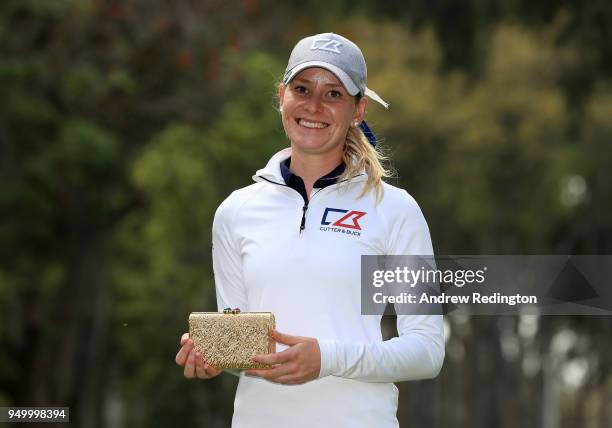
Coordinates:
x,y
313,104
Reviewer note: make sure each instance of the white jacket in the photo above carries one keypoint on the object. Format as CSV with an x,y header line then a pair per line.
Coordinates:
x,y
310,280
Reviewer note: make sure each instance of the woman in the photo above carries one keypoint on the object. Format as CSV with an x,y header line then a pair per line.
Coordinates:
x,y
291,244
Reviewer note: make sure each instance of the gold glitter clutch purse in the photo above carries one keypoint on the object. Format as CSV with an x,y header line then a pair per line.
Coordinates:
x,y
230,339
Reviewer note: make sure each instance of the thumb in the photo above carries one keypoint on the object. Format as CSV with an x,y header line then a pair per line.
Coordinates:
x,y
286,339
184,338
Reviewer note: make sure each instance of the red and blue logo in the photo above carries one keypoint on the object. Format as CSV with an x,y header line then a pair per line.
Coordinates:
x,y
341,221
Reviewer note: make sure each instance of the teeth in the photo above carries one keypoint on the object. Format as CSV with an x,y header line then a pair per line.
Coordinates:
x,y
309,124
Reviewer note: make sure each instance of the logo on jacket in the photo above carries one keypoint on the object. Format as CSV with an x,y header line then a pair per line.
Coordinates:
x,y
341,221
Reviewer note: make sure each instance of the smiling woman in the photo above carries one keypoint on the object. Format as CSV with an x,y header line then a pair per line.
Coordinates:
x,y
292,243
317,112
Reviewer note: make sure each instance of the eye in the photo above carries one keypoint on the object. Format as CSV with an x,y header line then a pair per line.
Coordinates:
x,y
300,89
335,94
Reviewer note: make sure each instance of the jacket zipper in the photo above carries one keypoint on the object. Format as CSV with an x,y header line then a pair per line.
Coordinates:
x,y
304,208
303,222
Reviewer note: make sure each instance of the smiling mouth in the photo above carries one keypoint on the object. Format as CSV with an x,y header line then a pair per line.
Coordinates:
x,y
312,124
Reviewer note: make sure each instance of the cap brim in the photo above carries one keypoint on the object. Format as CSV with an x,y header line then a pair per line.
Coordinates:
x,y
344,78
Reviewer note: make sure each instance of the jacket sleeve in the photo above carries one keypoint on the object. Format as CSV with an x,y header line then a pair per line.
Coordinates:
x,y
227,263
418,352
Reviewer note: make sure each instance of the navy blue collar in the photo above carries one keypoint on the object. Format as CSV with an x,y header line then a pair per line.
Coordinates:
x,y
296,182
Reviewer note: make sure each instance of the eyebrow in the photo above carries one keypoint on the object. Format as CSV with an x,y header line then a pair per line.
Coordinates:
x,y
301,79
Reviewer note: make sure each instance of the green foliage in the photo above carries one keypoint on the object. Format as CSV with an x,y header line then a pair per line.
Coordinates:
x,y
486,159
162,260
248,130
161,265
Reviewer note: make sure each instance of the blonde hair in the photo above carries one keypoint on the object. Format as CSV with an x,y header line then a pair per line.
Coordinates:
x,y
359,156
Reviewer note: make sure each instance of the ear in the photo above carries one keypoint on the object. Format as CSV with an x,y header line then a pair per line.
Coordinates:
x,y
360,109
281,94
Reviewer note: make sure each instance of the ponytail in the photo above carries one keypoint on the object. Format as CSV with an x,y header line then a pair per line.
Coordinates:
x,y
358,156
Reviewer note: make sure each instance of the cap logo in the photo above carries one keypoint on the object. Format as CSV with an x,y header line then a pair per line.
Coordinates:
x,y
328,45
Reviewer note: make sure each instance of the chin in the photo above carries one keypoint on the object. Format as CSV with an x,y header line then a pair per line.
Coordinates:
x,y
313,144
309,143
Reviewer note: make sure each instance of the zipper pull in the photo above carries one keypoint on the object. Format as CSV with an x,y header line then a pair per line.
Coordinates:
x,y
303,223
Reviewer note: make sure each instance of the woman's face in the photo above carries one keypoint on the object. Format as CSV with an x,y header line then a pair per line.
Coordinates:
x,y
317,111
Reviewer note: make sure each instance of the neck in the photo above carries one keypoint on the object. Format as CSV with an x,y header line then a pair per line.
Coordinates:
x,y
311,167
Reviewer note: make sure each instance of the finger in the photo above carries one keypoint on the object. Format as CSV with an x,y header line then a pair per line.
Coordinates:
x,y
275,358
184,338
289,379
183,353
273,373
286,339
201,368
189,370
211,370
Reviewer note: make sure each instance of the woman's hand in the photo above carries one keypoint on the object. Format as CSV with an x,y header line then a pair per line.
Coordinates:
x,y
193,362
300,363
